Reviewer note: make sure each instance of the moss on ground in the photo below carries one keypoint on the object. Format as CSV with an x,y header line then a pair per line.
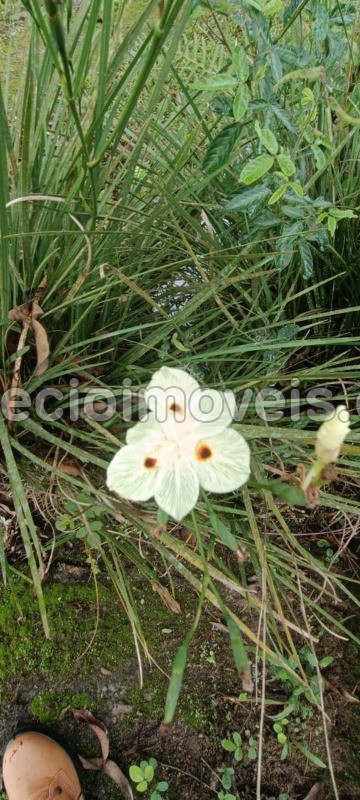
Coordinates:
x,y
47,706
72,616
26,656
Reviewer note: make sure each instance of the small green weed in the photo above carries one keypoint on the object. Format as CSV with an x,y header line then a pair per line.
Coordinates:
x,y
226,777
143,776
236,746
84,519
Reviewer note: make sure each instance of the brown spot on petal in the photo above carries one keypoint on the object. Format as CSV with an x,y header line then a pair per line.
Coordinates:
x,y
150,463
176,408
203,452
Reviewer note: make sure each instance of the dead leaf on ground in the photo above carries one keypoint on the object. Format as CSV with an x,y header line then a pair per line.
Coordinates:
x,y
87,718
104,765
316,792
114,772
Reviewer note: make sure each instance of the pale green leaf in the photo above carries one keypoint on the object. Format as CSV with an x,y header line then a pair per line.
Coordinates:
x,y
241,102
286,164
268,140
136,774
297,188
256,169
240,64
216,83
277,194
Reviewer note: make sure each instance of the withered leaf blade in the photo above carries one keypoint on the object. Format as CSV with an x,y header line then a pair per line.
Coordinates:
x,y
114,772
169,601
87,718
95,764
316,792
20,313
42,347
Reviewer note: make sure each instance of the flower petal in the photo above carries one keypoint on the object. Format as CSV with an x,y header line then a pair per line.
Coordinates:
x,y
169,390
222,463
133,473
212,409
178,489
147,432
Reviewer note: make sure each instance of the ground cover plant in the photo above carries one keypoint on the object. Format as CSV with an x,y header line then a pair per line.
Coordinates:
x,y
180,187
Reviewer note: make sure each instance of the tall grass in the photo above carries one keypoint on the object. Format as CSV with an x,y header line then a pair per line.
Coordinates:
x,y
128,138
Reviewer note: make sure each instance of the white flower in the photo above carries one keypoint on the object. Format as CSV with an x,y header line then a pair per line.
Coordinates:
x,y
184,443
331,435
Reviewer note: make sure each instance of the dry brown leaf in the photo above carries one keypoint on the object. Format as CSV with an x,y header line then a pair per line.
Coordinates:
x,y
69,468
114,772
331,687
20,313
246,681
242,555
316,792
87,718
42,346
94,764
169,601
103,764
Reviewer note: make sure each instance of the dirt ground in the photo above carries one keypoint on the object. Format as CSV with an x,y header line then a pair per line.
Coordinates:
x,y
42,681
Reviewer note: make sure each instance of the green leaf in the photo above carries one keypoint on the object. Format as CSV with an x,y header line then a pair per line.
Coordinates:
x,y
307,96
227,745
179,346
222,532
241,102
342,213
277,727
238,755
249,200
240,64
272,7
319,155
237,738
252,753
277,195
256,169
310,756
268,140
331,224
285,491
149,773
307,261
216,83
252,742
282,738
325,662
81,532
285,751
284,713
141,787
220,149
297,188
136,774
286,165
162,786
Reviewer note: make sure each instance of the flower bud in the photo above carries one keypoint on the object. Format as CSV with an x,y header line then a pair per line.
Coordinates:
x,y
331,435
